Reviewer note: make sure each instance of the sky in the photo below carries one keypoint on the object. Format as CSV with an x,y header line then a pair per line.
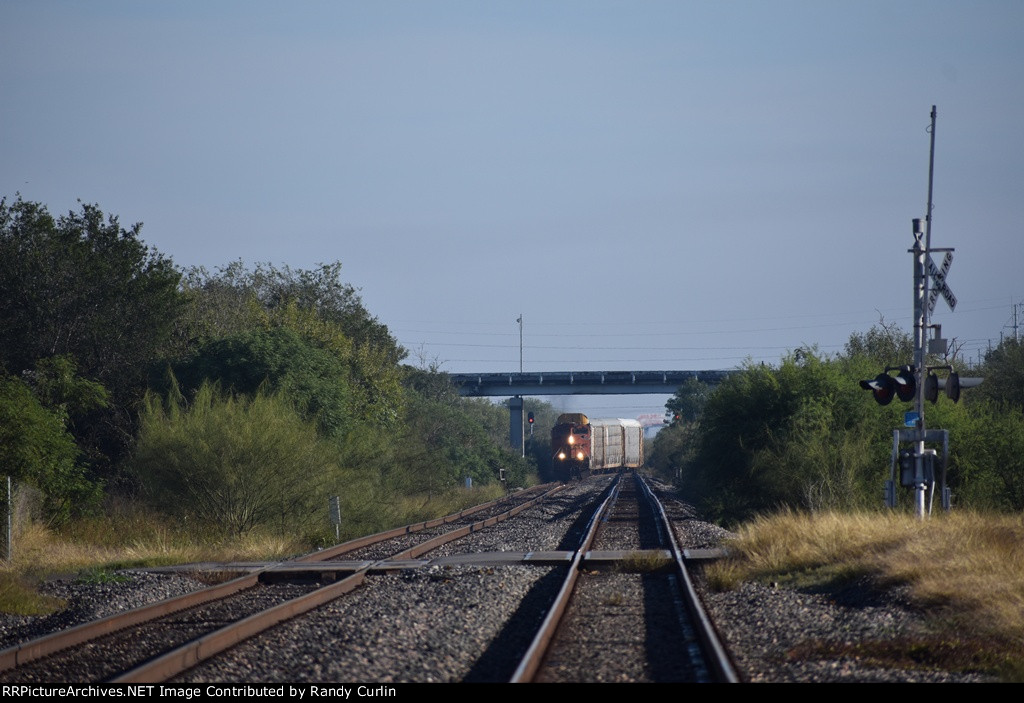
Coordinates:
x,y
648,185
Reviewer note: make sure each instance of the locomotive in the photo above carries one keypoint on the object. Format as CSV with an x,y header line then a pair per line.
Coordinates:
x,y
581,446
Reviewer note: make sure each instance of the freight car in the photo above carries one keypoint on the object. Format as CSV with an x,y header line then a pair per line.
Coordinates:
x,y
581,446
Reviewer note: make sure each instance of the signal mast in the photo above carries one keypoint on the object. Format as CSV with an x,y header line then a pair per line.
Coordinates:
x,y
919,465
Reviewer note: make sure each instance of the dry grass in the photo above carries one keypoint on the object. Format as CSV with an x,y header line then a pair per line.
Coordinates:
x,y
129,535
411,509
95,547
966,569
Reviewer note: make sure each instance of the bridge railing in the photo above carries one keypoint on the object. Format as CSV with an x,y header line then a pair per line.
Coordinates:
x,y
579,382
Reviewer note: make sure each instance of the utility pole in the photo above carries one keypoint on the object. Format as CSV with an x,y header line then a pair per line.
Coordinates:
x,y
520,321
516,404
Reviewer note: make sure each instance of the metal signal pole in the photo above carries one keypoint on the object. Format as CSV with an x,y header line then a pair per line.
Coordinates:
x,y
921,277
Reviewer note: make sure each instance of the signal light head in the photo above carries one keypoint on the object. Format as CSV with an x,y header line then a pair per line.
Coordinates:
x,y
953,386
882,387
906,384
931,387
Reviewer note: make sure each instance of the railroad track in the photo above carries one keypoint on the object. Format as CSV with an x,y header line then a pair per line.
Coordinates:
x,y
466,612
157,642
627,610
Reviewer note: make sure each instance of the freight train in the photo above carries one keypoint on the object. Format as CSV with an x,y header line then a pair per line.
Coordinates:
x,y
581,446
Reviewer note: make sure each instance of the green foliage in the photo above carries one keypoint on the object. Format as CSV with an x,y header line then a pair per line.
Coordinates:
x,y
786,436
804,435
674,447
91,315
442,443
82,288
35,447
98,576
689,401
314,304
59,387
445,439
313,378
235,462
538,447
885,344
1003,371
217,305
988,457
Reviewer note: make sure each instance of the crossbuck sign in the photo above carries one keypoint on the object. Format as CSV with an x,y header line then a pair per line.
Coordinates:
x,y
939,283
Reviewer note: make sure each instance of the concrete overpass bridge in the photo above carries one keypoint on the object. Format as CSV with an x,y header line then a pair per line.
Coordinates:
x,y
516,385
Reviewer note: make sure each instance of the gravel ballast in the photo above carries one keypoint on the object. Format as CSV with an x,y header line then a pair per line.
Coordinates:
x,y
455,623
772,631
87,601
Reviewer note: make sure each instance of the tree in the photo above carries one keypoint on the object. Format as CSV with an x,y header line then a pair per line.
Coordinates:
x,y
802,434
83,286
317,305
58,386
1003,371
275,360
36,448
885,344
689,401
215,306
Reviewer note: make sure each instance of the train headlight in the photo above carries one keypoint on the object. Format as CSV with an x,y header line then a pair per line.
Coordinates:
x,y
561,455
572,440
579,455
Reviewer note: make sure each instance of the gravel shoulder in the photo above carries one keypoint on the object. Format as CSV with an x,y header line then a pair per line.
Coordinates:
x,y
85,602
781,635
784,635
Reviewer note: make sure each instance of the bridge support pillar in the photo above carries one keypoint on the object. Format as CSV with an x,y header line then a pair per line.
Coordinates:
x,y
515,425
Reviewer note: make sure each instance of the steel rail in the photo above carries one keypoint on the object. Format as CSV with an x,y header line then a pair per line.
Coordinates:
x,y
360,542
199,650
534,655
25,652
209,645
435,542
715,654
20,654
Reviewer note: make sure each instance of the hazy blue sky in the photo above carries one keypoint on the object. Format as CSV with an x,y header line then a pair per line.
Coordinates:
x,y
652,185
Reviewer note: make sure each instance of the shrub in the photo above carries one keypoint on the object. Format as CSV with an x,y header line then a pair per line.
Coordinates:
x,y
233,461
